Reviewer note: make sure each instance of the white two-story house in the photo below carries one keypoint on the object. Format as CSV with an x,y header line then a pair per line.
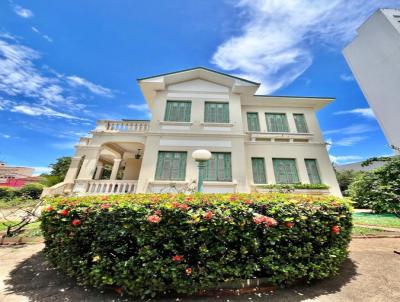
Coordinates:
x,y
254,140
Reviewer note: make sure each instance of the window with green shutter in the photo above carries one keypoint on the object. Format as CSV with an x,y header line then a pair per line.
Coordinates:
x,y
258,166
171,165
300,122
216,112
219,167
178,111
253,123
312,171
276,122
285,171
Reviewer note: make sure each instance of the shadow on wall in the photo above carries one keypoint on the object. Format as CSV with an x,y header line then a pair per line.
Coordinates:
x,y
35,279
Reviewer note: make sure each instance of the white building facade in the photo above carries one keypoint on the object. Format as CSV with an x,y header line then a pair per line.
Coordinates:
x,y
254,140
374,58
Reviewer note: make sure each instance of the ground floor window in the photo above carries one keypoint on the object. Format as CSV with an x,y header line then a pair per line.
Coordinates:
x,y
258,167
285,170
312,171
219,167
171,165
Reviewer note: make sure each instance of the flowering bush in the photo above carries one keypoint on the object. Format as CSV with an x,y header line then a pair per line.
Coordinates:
x,y
153,244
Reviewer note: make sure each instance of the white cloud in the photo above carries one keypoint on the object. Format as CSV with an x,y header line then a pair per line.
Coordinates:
x,y
23,12
329,143
5,135
274,44
351,130
364,112
346,77
41,111
39,170
141,108
94,88
345,159
349,141
65,145
46,37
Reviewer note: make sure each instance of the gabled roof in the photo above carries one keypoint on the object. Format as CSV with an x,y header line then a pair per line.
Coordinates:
x,y
195,68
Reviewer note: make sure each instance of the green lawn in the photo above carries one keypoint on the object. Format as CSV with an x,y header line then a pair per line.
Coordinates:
x,y
358,231
31,230
384,220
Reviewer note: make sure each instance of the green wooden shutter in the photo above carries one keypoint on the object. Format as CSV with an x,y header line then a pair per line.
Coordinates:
x,y
277,122
253,123
258,166
219,167
171,165
178,111
300,122
216,112
285,170
312,171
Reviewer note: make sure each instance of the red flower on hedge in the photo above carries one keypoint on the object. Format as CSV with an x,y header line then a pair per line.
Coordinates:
x,y
105,206
290,224
154,219
63,212
267,221
248,201
208,215
335,229
158,212
181,206
49,209
189,271
177,258
104,197
76,222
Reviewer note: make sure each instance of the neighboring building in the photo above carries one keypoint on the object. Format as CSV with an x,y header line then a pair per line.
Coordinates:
x,y
254,140
358,166
374,58
16,176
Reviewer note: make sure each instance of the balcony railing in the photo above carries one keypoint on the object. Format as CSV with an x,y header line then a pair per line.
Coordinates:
x,y
106,187
122,126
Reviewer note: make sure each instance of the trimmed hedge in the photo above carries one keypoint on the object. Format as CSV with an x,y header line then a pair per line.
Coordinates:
x,y
298,186
154,244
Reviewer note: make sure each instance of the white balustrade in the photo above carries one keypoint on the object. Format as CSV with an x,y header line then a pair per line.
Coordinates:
x,y
123,126
107,187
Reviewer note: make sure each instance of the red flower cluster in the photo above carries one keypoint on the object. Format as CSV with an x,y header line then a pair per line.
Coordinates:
x,y
267,221
105,206
335,229
76,222
154,219
248,201
208,215
49,209
290,224
158,212
63,212
177,258
182,206
189,271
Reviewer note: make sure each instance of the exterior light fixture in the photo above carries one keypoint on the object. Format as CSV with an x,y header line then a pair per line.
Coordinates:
x,y
138,154
201,157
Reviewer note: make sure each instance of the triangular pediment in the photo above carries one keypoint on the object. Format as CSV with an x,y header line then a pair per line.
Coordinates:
x,y
198,85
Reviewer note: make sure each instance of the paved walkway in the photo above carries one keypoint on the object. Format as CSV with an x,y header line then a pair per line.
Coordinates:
x,y
372,273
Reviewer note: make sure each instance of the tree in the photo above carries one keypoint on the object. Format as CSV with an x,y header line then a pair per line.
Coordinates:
x,y
379,189
58,172
345,178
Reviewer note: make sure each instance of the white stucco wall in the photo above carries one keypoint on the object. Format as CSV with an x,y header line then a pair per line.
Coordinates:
x,y
374,58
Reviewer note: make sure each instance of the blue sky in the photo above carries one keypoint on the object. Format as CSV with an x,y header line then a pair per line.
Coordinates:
x,y
65,64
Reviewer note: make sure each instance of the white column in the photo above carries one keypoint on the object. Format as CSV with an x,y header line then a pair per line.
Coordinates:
x,y
73,169
99,170
88,166
303,175
115,168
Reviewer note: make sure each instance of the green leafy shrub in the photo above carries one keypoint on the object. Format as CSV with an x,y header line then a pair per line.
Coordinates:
x,y
7,193
32,190
154,244
298,186
378,189
345,178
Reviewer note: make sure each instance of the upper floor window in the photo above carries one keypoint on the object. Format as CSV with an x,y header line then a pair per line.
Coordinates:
x,y
276,122
258,167
171,165
253,123
285,170
215,112
312,171
219,167
300,122
178,111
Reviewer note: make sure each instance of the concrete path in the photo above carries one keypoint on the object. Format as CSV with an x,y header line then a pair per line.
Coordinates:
x,y
372,273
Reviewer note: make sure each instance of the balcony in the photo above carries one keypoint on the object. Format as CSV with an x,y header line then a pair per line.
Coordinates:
x,y
292,137
138,126
105,187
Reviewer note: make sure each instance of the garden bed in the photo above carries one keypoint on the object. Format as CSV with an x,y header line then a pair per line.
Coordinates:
x,y
148,245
